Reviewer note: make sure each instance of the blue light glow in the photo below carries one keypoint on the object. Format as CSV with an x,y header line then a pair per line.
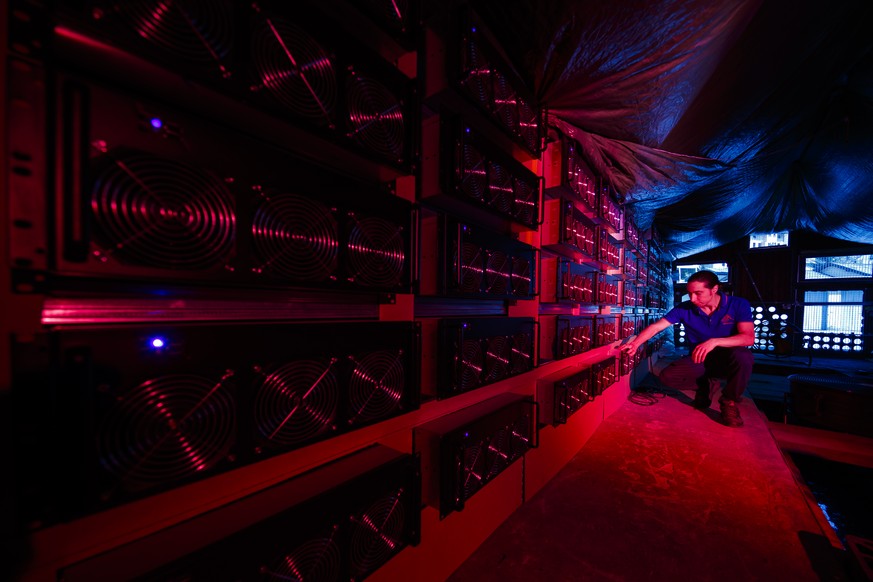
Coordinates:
x,y
156,123
157,342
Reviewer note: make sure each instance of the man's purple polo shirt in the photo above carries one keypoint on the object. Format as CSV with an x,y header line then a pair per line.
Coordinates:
x,y
700,327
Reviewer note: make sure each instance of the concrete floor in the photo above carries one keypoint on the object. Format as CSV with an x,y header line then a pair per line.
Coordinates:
x,y
666,492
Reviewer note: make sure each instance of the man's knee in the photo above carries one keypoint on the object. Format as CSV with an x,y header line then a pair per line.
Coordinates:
x,y
743,357
681,374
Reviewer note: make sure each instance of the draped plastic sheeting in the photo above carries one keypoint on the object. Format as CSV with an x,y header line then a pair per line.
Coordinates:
x,y
713,119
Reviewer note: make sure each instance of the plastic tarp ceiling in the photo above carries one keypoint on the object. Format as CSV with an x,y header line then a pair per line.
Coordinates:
x,y
714,120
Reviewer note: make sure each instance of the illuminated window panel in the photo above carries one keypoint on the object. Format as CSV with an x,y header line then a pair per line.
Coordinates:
x,y
838,267
769,239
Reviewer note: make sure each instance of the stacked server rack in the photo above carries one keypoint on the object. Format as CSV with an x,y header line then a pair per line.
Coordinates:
x,y
262,235
341,521
203,202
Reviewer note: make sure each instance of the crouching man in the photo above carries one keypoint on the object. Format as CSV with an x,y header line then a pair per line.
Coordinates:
x,y
719,330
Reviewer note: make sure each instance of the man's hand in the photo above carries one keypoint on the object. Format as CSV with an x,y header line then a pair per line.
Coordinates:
x,y
628,348
702,350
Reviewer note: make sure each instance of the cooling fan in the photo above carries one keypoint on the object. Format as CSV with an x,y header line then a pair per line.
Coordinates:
x,y
571,227
591,285
584,287
567,284
498,269
378,533
469,267
524,201
521,357
568,346
474,469
577,287
166,429
296,238
576,397
469,364
498,350
318,560
295,70
377,384
500,194
161,213
472,172
574,176
580,339
585,239
476,73
376,252
375,118
505,102
529,126
197,31
496,458
295,402
519,437
520,278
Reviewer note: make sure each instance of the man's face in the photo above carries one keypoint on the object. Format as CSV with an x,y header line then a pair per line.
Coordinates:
x,y
700,295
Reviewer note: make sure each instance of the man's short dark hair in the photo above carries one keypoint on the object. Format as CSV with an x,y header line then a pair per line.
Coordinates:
x,y
708,278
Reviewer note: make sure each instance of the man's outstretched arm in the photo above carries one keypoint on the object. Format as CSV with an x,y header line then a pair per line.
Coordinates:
x,y
645,335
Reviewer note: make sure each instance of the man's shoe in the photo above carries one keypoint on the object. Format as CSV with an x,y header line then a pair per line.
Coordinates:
x,y
730,413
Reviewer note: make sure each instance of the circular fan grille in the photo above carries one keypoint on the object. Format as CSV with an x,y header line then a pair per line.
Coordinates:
x,y
296,402
377,534
376,386
567,342
570,226
473,175
471,364
580,288
376,252
505,108
318,560
199,31
477,72
470,267
567,284
580,339
500,193
519,437
474,469
589,285
577,396
524,202
296,237
522,350
497,354
166,429
585,240
295,70
528,125
375,118
162,213
496,458
498,268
